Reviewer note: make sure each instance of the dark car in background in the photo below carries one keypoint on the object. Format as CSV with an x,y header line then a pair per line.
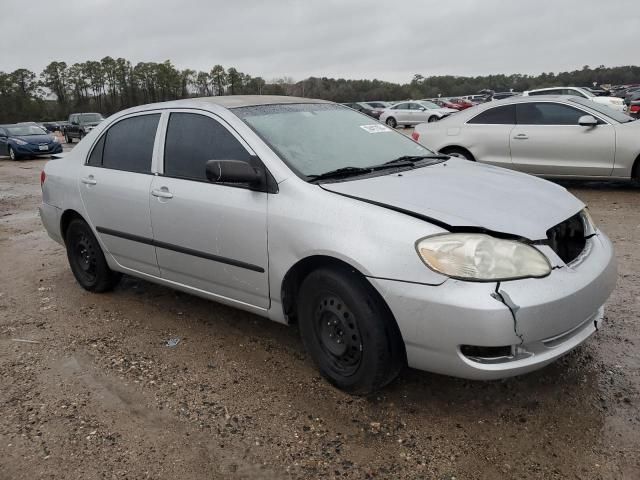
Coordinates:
x,y
373,109
27,140
80,124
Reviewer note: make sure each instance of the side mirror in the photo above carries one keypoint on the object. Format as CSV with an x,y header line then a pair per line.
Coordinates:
x,y
422,109
233,171
587,121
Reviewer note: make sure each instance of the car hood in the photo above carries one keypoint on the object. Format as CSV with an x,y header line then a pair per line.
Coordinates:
x,y
458,193
34,138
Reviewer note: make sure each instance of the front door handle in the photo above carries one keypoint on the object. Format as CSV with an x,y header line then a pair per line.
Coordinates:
x,y
521,136
162,193
88,180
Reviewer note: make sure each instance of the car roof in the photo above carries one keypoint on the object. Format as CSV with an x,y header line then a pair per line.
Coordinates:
x,y
228,101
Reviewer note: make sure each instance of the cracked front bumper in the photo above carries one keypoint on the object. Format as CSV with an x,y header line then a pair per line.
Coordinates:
x,y
553,315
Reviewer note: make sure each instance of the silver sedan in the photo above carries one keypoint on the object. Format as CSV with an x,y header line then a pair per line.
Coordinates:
x,y
303,211
552,136
412,113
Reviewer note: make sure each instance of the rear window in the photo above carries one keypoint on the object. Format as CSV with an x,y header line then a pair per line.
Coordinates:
x,y
505,115
129,144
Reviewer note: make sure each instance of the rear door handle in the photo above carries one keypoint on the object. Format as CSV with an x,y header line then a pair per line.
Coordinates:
x,y
88,180
162,193
521,136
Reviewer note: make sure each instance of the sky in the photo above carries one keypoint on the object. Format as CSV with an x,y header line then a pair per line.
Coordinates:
x,y
385,39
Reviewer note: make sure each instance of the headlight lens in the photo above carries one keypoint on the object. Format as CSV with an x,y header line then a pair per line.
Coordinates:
x,y
55,139
19,142
480,257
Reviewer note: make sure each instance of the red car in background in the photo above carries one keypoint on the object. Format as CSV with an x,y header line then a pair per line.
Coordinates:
x,y
445,103
461,103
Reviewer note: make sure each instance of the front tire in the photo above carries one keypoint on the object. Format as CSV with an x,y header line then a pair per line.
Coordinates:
x,y
86,259
68,138
349,331
391,122
432,119
12,154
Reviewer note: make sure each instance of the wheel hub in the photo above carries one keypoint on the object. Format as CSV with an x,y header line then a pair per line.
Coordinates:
x,y
337,330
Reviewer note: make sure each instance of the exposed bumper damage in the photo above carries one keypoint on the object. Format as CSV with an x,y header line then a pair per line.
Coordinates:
x,y
495,330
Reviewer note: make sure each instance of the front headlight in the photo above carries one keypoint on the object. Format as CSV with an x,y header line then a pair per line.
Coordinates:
x,y
481,257
55,139
19,142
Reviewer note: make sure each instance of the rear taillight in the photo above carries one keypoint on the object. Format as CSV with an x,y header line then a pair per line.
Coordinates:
x,y
415,135
634,108
43,177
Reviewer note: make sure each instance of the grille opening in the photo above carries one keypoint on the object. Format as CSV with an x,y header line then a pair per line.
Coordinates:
x,y
567,238
475,351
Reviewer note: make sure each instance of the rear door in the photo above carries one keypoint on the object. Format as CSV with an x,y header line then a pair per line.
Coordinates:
x,y
114,186
402,113
208,236
486,135
547,140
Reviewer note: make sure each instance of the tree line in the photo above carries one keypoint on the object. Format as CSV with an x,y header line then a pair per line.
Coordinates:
x,y
112,84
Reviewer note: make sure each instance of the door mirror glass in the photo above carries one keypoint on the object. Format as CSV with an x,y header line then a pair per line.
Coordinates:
x,y
233,171
587,121
422,109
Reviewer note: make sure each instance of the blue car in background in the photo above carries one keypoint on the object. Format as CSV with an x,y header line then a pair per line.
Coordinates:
x,y
27,140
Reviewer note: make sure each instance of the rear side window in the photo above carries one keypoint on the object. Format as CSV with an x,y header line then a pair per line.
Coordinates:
x,y
505,115
194,139
129,144
547,114
402,106
95,159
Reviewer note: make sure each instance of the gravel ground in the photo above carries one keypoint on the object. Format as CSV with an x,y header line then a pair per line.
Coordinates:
x,y
90,389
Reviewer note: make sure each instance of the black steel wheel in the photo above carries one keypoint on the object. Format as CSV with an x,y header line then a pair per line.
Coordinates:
x,y
86,259
349,331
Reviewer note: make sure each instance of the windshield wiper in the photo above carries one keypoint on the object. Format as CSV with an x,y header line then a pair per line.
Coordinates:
x,y
340,173
411,159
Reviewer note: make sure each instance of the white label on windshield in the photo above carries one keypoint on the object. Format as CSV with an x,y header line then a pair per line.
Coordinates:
x,y
376,128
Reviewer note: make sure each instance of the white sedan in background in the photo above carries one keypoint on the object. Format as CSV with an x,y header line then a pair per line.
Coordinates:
x,y
412,113
552,136
611,102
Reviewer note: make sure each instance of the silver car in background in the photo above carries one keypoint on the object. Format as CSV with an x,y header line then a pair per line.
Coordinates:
x,y
303,211
412,113
552,136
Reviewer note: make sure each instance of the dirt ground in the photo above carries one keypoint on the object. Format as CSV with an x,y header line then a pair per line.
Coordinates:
x,y
89,388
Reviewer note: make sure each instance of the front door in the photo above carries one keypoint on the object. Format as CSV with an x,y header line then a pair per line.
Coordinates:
x,y
548,140
208,236
114,186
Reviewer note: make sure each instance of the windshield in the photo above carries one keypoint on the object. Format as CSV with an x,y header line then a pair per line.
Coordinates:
x,y
91,117
604,109
428,104
25,130
585,91
316,138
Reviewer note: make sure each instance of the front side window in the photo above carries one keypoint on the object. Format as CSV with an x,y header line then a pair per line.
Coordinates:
x,y
505,115
547,113
401,106
315,138
129,143
192,140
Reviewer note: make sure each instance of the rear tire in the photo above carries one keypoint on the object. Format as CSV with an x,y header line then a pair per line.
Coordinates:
x,y
391,122
68,138
349,331
86,259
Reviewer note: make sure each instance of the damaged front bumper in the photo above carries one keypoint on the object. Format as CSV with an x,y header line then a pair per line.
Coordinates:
x,y
494,330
